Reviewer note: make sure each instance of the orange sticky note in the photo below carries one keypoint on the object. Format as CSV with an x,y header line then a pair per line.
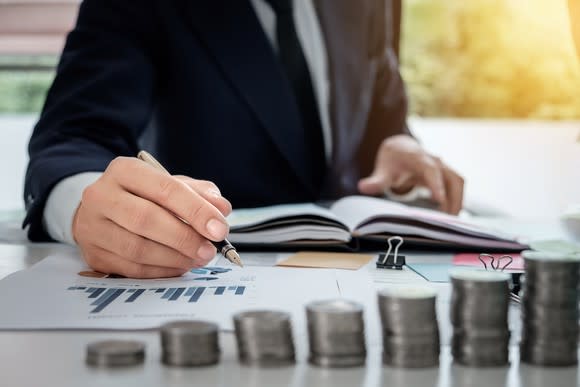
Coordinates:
x,y
327,260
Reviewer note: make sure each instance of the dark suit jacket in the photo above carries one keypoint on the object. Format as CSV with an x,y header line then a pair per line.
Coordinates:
x,y
197,83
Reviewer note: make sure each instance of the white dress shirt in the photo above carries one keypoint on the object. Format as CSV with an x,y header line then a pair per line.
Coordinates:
x,y
65,197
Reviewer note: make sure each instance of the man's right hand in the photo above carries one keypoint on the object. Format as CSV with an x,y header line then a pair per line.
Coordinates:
x,y
127,222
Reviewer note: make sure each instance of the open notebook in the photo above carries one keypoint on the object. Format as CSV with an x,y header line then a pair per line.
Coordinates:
x,y
356,219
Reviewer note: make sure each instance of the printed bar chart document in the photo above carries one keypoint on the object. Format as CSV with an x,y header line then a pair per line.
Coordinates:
x,y
60,292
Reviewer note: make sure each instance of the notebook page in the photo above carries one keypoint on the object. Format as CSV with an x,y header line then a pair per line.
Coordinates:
x,y
358,210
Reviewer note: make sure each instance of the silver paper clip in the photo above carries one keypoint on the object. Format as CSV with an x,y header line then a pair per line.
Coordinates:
x,y
496,265
392,261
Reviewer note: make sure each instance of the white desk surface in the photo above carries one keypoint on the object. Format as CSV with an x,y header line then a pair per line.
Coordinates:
x,y
56,358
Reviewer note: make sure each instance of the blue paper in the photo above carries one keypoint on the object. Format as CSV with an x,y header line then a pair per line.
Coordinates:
x,y
432,272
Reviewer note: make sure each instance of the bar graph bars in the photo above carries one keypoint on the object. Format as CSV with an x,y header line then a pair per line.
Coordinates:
x,y
101,297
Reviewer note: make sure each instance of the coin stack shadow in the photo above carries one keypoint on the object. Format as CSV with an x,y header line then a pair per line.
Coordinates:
x,y
190,343
264,338
550,309
479,315
410,329
115,353
336,333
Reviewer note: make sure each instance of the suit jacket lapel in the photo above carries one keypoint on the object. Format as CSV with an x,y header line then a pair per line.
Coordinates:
x,y
233,34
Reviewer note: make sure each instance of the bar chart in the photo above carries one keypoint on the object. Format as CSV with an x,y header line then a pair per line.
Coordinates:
x,y
63,299
100,297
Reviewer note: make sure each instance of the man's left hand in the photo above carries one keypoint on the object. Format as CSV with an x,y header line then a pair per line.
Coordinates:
x,y
402,164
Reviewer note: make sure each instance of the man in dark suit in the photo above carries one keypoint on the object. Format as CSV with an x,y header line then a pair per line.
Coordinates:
x,y
272,101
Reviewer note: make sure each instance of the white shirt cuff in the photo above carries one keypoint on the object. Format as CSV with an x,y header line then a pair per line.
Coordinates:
x,y
62,204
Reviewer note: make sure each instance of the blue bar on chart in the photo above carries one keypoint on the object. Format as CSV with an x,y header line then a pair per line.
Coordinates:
x,y
197,294
97,292
219,290
176,294
106,299
135,295
240,290
168,293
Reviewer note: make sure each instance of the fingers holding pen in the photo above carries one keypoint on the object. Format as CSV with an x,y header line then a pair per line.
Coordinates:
x,y
146,219
209,191
175,196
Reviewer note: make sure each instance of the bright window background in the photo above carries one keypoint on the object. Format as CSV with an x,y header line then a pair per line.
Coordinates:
x,y
477,58
491,58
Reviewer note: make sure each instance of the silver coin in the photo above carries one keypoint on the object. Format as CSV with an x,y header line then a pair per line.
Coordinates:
x,y
189,329
551,296
190,343
410,329
540,332
336,333
546,356
326,343
115,353
408,312
482,334
499,360
190,360
397,339
416,361
479,315
548,314
341,315
336,361
264,338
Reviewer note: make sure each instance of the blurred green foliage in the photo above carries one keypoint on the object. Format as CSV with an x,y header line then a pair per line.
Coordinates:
x,y
24,81
490,58
23,92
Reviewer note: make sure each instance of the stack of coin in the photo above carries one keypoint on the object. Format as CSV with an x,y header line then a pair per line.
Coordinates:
x,y
479,314
264,338
336,333
115,353
190,343
410,330
550,309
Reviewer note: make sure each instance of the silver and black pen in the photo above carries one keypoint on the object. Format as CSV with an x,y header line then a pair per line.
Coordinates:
x,y
224,247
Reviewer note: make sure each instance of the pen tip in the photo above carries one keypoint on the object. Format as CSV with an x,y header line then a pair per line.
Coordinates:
x,y
234,257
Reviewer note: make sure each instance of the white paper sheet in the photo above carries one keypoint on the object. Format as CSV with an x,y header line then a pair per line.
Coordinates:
x,y
51,295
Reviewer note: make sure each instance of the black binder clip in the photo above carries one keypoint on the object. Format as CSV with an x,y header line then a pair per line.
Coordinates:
x,y
392,261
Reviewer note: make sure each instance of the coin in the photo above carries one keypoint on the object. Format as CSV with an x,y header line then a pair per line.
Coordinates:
x,y
336,333
115,353
264,338
479,315
190,343
549,309
409,324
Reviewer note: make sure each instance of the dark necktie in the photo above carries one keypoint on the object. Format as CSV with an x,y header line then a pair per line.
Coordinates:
x,y
294,63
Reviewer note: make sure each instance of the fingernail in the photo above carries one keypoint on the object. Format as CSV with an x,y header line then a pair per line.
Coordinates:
x,y
216,229
206,251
